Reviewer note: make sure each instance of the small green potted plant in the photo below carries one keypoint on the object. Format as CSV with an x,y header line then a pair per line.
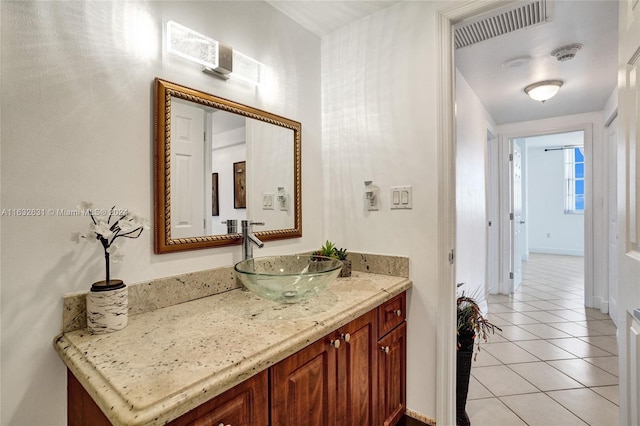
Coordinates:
x,y
329,249
341,254
471,326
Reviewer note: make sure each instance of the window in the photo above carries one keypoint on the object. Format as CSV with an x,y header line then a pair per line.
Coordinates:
x,y
574,180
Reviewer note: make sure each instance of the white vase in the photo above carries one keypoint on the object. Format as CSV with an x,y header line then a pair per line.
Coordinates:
x,y
107,307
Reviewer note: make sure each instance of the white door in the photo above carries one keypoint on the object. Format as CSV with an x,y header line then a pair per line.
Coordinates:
x,y
628,213
612,189
517,222
493,207
187,170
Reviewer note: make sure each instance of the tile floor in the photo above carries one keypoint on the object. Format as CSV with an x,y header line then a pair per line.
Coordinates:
x,y
555,363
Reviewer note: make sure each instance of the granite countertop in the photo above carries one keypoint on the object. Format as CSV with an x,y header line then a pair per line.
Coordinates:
x,y
171,360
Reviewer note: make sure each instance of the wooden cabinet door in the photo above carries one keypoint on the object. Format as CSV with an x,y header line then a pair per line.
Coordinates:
x,y
357,371
392,375
303,387
246,404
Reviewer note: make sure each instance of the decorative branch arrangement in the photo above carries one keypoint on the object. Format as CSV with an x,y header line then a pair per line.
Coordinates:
x,y
118,224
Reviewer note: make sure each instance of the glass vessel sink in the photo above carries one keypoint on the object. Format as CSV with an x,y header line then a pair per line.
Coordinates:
x,y
288,279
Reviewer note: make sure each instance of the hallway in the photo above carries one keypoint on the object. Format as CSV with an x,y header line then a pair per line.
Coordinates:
x,y
555,362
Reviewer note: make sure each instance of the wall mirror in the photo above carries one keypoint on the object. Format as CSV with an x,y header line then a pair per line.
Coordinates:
x,y
217,161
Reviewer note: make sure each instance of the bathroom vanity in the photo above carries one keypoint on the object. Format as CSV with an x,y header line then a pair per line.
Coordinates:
x,y
235,358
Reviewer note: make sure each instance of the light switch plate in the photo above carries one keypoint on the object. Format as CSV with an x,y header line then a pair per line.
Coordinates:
x,y
267,202
401,197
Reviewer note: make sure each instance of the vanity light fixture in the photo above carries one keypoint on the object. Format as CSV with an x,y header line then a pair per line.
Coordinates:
x,y
192,45
543,90
216,58
225,63
247,69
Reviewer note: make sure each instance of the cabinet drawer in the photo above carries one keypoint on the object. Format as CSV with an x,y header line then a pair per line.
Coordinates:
x,y
391,314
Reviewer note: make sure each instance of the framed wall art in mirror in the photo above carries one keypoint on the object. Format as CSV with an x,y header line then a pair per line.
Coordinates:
x,y
199,136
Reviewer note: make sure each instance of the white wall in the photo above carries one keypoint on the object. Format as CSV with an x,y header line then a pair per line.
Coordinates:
x,y
550,230
267,173
379,123
472,123
77,124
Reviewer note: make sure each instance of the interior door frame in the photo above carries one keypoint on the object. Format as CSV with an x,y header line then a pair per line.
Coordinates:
x,y
446,145
589,261
613,145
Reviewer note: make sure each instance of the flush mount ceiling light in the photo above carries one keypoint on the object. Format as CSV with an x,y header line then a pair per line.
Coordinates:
x,y
543,90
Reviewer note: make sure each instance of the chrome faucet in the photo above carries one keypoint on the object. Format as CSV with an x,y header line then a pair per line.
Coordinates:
x,y
249,239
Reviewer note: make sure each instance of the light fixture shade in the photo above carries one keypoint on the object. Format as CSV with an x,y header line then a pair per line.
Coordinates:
x,y
247,69
543,90
192,45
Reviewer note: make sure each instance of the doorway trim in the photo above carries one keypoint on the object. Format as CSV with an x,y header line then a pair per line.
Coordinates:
x,y
446,144
587,129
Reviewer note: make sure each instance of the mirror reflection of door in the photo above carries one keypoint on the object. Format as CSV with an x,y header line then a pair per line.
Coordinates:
x,y
228,146
187,159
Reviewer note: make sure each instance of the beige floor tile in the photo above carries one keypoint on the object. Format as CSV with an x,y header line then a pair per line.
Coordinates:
x,y
544,331
491,412
607,343
568,314
573,329
543,304
509,353
496,308
545,317
518,318
484,358
544,377
552,348
514,333
537,409
603,327
494,338
517,306
595,314
544,350
523,297
501,380
588,405
498,298
612,393
607,363
584,372
496,319
569,303
477,391
579,347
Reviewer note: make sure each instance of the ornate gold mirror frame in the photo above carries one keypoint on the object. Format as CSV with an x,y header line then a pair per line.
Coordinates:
x,y
163,242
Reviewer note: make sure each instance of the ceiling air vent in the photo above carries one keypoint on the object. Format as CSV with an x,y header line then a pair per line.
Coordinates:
x,y
501,21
